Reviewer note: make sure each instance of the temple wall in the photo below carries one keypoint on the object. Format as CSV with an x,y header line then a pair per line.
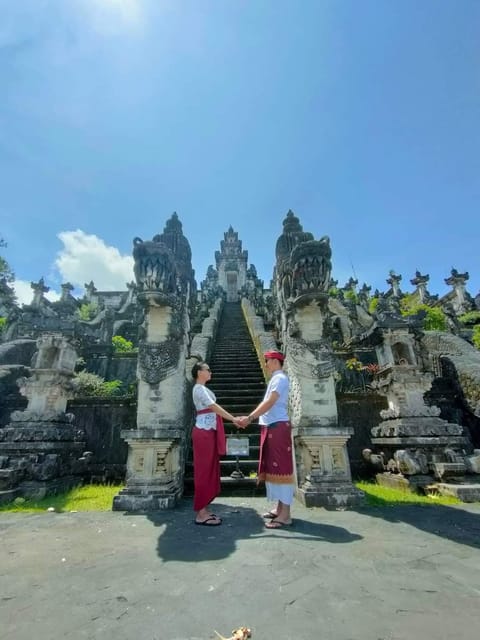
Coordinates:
x,y
102,420
361,412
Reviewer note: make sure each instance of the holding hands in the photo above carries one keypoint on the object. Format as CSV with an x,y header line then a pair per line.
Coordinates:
x,y
242,422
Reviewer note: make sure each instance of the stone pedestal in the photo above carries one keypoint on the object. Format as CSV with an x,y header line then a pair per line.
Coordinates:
x,y
324,478
38,458
154,480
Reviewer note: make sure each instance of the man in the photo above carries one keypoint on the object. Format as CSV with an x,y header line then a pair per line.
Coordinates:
x,y
275,466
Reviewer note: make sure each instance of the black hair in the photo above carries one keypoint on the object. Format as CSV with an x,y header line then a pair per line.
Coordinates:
x,y
198,366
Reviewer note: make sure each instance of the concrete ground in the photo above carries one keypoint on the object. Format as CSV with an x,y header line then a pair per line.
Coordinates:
x,y
390,573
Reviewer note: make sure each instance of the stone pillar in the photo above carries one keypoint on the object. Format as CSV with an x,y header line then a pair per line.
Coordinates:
x,y
458,283
301,286
420,281
394,282
156,449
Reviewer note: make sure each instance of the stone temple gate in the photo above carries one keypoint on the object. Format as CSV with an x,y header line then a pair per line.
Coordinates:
x,y
342,345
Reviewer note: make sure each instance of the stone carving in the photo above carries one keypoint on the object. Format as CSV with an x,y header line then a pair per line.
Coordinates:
x,y
41,447
157,361
459,299
303,264
301,286
156,449
155,270
413,438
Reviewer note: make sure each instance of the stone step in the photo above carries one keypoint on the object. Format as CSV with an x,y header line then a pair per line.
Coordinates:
x,y
252,387
238,394
239,385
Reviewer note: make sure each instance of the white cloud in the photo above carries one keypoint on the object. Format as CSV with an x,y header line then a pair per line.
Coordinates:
x,y
24,292
86,257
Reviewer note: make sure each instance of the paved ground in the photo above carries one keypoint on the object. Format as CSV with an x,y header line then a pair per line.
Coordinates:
x,y
392,573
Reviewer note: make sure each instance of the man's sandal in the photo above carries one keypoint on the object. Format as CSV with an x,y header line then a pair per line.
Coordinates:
x,y
277,524
270,515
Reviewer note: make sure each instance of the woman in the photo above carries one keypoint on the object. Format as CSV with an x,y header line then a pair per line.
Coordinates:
x,y
208,438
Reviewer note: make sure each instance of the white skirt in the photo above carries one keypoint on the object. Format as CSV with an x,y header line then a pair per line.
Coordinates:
x,y
282,492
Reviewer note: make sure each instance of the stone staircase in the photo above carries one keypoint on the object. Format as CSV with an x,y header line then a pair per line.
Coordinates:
x,y
239,385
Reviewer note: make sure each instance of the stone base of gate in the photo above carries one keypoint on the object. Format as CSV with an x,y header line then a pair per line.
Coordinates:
x,y
330,495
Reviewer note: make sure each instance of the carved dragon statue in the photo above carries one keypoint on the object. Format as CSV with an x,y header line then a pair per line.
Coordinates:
x,y
302,278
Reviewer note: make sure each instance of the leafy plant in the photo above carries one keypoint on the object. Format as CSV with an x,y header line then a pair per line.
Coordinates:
x,y
435,319
122,345
89,384
351,295
476,336
87,311
353,364
112,387
372,307
409,302
3,324
471,317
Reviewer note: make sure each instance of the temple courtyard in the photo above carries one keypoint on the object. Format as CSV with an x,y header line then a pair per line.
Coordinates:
x,y
373,573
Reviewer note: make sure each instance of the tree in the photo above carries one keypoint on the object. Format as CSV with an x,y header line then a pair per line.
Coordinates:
x,y
5,269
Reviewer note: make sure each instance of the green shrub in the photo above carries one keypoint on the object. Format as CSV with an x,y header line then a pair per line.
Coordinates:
x,y
87,311
351,295
476,336
372,307
112,388
89,384
409,302
471,317
3,324
122,345
435,319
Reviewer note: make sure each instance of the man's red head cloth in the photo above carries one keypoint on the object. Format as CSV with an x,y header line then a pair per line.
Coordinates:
x,y
274,355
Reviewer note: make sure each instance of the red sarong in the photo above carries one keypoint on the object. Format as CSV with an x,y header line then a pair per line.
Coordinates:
x,y
208,445
276,458
220,432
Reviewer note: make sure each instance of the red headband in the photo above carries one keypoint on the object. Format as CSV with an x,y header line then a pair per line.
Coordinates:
x,y
274,355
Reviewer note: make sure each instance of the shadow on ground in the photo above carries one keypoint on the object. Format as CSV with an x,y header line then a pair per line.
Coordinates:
x,y
457,524
181,540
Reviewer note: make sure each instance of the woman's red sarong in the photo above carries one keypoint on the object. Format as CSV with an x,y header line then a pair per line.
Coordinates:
x,y
208,445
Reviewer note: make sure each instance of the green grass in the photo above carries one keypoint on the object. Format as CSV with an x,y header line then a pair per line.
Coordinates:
x,y
100,497
88,498
378,496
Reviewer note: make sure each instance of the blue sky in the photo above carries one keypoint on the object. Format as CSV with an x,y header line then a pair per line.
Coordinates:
x,y
362,116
